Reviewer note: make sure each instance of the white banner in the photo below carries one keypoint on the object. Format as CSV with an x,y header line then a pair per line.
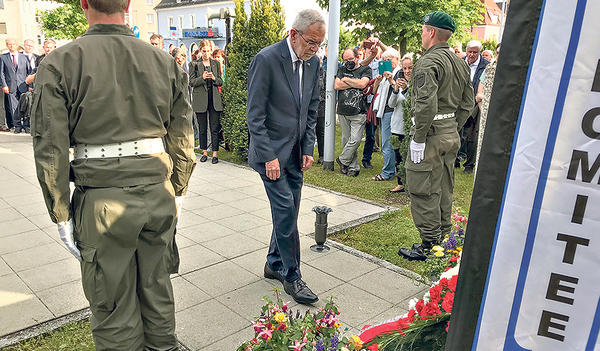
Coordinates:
x,y
543,288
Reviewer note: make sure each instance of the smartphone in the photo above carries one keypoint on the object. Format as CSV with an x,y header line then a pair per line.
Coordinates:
x,y
385,66
367,44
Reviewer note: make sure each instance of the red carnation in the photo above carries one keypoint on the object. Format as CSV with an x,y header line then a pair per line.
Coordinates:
x,y
373,347
454,259
448,301
431,309
435,294
420,306
411,315
452,283
403,323
448,326
444,281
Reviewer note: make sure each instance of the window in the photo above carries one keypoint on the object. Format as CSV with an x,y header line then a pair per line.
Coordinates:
x,y
170,21
181,22
192,21
149,2
150,17
150,34
3,28
2,6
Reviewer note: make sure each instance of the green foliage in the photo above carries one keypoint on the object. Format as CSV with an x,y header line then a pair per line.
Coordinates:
x,y
490,44
400,21
264,26
430,336
348,39
65,22
74,336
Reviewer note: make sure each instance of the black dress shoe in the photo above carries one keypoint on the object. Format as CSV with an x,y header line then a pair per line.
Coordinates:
x,y
300,292
270,273
353,173
17,130
343,168
367,164
215,160
418,252
203,158
320,161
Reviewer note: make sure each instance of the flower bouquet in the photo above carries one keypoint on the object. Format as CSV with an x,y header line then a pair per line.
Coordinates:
x,y
424,327
280,329
447,254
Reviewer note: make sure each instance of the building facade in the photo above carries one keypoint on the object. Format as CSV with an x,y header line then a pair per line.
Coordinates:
x,y
142,15
184,23
17,20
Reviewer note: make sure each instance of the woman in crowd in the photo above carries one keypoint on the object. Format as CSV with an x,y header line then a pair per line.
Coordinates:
x,y
385,84
205,78
397,123
219,56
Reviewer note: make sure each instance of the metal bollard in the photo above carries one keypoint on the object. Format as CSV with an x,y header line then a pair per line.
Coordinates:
x,y
321,228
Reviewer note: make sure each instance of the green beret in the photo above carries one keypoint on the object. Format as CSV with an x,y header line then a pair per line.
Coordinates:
x,y
440,19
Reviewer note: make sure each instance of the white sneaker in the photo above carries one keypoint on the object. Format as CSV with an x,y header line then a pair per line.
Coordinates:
x,y
197,147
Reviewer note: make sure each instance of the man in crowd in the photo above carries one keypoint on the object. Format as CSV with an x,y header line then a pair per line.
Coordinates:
x,y
283,98
134,154
29,46
157,40
49,46
442,100
14,69
350,81
470,130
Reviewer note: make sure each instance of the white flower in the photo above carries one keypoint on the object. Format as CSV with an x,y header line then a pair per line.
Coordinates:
x,y
412,303
344,349
450,273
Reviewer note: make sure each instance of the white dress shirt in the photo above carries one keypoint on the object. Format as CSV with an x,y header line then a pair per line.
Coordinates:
x,y
473,67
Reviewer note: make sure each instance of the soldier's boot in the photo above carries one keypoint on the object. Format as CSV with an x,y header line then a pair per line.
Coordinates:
x,y
418,252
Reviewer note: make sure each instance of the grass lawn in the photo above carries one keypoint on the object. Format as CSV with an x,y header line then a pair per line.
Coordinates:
x,y
72,337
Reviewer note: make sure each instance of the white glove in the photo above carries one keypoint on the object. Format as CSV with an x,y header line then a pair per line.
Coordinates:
x,y
65,230
417,151
179,204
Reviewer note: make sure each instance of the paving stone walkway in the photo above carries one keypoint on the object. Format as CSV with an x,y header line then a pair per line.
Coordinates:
x,y
223,239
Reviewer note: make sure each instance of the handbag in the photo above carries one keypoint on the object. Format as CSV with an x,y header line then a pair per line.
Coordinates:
x,y
372,115
368,90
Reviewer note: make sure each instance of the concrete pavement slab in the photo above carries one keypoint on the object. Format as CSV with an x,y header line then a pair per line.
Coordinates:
x,y
343,265
17,242
196,257
64,299
17,226
388,285
243,222
218,322
4,268
211,279
232,341
51,275
233,245
205,231
247,301
187,294
217,211
36,256
262,233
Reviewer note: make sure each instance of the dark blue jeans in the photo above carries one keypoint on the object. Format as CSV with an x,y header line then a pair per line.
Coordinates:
x,y
369,142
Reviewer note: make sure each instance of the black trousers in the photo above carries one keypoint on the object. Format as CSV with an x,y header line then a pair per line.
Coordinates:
x,y
284,197
398,156
214,118
320,131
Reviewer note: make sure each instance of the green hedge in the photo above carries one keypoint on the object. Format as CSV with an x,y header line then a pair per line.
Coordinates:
x,y
264,26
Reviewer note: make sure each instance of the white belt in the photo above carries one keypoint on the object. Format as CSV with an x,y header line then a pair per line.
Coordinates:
x,y
444,116
127,148
438,117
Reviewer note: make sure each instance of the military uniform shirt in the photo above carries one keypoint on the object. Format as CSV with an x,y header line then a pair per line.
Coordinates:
x,y
85,94
441,84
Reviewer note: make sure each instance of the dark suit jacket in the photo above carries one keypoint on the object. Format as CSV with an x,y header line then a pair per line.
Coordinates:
x,y
478,72
14,79
200,93
276,121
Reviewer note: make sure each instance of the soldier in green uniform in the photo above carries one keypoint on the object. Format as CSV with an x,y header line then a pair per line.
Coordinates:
x,y
442,100
123,105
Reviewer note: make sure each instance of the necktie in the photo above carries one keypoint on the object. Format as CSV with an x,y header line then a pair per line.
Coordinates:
x,y
15,60
297,78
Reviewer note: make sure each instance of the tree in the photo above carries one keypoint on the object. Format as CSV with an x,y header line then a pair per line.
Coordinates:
x,y
400,21
64,22
348,39
264,27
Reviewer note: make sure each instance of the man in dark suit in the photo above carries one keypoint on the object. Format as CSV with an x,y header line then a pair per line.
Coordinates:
x,y
470,130
283,99
14,68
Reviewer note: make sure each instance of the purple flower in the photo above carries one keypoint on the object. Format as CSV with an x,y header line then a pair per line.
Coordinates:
x,y
451,243
320,346
334,342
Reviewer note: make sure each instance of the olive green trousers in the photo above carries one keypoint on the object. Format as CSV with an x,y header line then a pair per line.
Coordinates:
x,y
431,184
126,237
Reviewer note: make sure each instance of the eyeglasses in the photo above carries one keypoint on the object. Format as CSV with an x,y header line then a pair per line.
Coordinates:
x,y
311,43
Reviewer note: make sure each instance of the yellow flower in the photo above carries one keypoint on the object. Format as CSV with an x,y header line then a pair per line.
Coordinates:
x,y
459,249
455,252
338,324
280,317
439,254
438,248
355,340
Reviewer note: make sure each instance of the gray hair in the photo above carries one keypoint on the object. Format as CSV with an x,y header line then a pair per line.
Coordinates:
x,y
474,44
391,53
9,39
307,18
